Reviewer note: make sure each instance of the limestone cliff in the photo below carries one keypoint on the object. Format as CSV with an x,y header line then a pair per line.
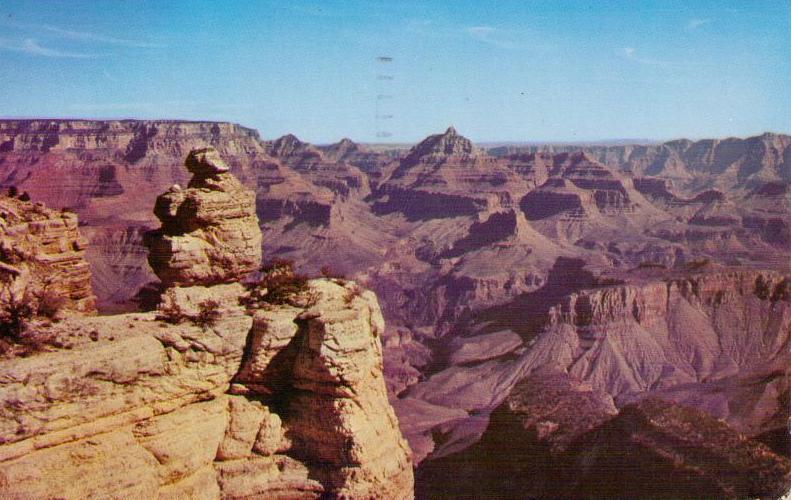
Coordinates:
x,y
282,402
717,341
633,338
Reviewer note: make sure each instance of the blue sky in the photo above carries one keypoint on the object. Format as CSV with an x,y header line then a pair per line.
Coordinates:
x,y
510,70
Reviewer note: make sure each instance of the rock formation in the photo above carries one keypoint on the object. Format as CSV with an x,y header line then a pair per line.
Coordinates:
x,y
443,177
725,164
43,252
209,230
468,251
110,172
296,154
626,342
288,402
136,408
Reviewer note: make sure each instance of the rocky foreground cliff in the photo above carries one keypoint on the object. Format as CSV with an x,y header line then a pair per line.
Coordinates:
x,y
215,394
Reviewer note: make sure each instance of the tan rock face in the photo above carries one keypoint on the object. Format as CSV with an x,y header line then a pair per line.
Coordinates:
x,y
209,230
327,368
41,250
290,403
339,413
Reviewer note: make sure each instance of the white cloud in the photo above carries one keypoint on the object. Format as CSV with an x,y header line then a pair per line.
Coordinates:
x,y
31,47
492,36
95,37
694,24
50,31
632,55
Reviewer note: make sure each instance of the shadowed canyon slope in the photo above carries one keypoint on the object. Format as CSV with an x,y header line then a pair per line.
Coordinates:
x,y
641,273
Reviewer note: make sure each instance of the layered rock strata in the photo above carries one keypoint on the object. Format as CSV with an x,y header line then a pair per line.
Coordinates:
x,y
137,408
209,230
43,252
716,341
282,402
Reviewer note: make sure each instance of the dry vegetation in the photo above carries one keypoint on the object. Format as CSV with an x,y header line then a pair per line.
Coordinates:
x,y
279,284
172,313
208,313
21,331
207,316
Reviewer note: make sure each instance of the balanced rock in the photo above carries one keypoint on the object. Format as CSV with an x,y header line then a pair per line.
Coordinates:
x,y
209,230
205,162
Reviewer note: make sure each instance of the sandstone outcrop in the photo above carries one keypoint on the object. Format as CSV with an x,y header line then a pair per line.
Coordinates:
x,y
42,251
287,402
111,171
209,230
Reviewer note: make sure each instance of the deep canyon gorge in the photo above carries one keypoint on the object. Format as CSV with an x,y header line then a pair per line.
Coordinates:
x,y
530,306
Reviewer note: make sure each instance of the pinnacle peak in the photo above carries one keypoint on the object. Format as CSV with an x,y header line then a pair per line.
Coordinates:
x,y
289,137
451,131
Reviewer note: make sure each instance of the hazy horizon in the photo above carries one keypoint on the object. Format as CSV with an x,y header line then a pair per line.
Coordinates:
x,y
406,144
539,72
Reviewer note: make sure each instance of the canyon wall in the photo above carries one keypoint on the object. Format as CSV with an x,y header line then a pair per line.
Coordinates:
x,y
721,163
716,341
